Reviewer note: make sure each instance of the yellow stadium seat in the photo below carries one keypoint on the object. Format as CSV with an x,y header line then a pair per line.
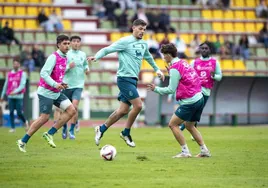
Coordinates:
x,y
33,1
115,36
227,64
172,36
250,15
159,37
213,38
203,37
31,24
46,1
1,11
239,3
207,14
9,11
259,26
239,14
218,14
250,27
228,14
32,11
67,25
18,24
228,26
146,36
23,1
161,63
10,21
239,27
126,34
217,26
251,3
58,11
186,38
20,11
12,1
2,1
239,65
47,10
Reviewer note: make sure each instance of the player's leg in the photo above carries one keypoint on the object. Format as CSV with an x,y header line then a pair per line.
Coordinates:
x,y
68,112
18,106
113,118
173,125
11,106
45,106
76,96
132,115
68,94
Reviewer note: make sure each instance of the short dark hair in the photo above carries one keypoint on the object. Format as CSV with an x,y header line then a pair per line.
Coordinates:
x,y
207,43
169,49
61,38
75,37
17,58
139,22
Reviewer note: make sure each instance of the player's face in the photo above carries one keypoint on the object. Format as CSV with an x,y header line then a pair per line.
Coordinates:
x,y
138,31
64,46
75,44
205,51
168,58
16,65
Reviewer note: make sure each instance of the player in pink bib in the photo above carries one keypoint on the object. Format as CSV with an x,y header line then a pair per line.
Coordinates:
x,y
14,88
185,82
208,69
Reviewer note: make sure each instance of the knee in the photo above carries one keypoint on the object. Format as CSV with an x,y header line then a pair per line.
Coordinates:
x,y
71,110
138,107
122,112
44,118
171,126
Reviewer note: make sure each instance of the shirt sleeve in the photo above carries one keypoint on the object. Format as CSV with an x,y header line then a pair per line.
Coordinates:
x,y
149,58
173,83
218,73
115,47
85,64
4,88
47,70
22,83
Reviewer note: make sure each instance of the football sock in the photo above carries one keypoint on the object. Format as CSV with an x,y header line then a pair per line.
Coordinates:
x,y
182,127
64,128
126,132
185,149
103,128
52,131
25,138
72,128
204,148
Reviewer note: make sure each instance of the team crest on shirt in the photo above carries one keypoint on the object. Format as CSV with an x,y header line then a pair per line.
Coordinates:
x,y
138,53
130,93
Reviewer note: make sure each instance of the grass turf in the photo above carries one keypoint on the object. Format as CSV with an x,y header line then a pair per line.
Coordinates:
x,y
239,159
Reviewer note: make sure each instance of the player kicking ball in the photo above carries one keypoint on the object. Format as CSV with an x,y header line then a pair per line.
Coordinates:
x,y
131,50
49,93
186,83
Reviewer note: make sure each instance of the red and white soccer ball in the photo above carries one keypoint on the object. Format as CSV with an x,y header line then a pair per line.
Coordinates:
x,y
108,152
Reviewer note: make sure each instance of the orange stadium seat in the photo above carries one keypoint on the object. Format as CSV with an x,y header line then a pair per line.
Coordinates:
x,y
20,11
32,11
31,24
9,11
19,24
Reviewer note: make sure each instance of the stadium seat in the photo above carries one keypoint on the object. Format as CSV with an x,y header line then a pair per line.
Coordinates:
x,y
250,27
40,37
174,13
94,77
195,26
32,11
114,104
218,14
261,52
28,37
185,14
217,26
106,24
239,27
33,1
239,3
115,36
239,14
207,14
3,49
11,1
172,36
31,24
259,26
114,90
196,14
159,37
104,104
93,90
46,1
105,90
23,1
164,2
228,14
239,65
250,14
10,63
86,49
49,50
9,11
67,25
250,65
14,49
18,24
2,64
186,2
34,76
228,26
20,11
206,26
261,66
184,26
251,3
227,64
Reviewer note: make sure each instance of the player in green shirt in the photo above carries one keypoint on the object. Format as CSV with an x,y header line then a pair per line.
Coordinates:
x,y
131,50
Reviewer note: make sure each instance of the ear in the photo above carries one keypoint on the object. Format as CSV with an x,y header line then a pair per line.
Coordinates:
x,y
133,27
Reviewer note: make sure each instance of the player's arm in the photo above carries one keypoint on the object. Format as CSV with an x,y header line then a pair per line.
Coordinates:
x,y
115,47
47,70
85,65
4,88
149,58
22,83
173,84
218,74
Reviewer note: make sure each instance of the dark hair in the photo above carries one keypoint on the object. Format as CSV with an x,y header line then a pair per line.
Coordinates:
x,y
17,58
75,37
207,43
139,22
61,38
169,49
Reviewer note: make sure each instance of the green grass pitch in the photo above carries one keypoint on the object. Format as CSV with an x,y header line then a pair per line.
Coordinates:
x,y
239,159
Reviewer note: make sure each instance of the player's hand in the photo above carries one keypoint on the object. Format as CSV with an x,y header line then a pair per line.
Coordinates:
x,y
1,100
160,75
87,71
91,58
65,85
169,100
150,87
212,74
72,65
59,87
12,93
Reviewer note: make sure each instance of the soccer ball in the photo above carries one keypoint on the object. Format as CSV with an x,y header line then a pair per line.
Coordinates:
x,y
108,152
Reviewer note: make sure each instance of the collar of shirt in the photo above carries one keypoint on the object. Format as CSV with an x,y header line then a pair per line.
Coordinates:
x,y
205,59
61,54
74,51
13,71
174,60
